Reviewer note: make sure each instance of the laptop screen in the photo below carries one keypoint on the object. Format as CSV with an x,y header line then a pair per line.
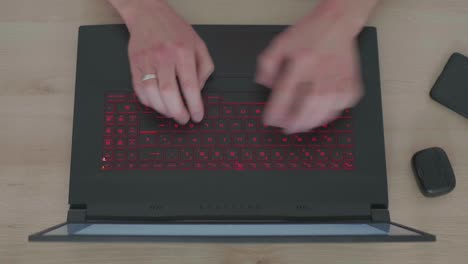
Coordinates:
x,y
230,230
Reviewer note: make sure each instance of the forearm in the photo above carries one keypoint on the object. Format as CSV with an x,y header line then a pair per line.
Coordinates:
x,y
129,10
352,15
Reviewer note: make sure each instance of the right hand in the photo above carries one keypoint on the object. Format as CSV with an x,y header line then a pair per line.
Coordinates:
x,y
162,43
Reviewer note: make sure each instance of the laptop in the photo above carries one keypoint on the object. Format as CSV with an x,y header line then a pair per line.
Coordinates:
x,y
138,176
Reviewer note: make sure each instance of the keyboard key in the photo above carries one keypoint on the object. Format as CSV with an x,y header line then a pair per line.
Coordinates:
x,y
293,165
109,108
212,165
164,140
202,154
266,165
132,155
120,142
171,154
126,108
217,154
314,139
279,166
185,165
239,139
108,142
212,111
106,166
348,165
132,165
299,140
228,110
284,139
109,118
200,165
152,154
242,111
293,154
328,139
256,110
194,139
120,131
262,154
209,139
226,165
120,165
251,166
343,124
307,154
250,124
336,154
345,139
162,124
132,131
221,124
309,164
187,154
121,119
270,139
179,139
108,130
132,118
321,154
224,139
207,124
235,125
132,143
232,154
277,154
106,155
247,154
146,140
253,139
348,155
120,155
334,165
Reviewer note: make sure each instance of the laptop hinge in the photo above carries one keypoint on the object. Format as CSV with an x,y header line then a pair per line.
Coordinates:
x,y
76,215
380,215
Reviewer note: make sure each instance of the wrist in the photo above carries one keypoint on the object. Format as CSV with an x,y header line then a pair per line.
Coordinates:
x,y
131,11
351,16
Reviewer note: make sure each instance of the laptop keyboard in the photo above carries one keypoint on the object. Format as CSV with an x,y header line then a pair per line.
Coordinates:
x,y
231,137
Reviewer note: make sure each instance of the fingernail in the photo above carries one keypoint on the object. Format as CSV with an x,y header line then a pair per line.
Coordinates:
x,y
197,116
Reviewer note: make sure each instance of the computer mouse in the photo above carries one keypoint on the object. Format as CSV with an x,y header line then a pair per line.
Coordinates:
x,y
433,172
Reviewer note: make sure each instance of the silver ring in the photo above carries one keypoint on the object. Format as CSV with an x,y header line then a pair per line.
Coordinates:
x,y
149,77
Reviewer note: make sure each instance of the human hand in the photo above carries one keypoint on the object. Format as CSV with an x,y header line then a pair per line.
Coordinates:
x,y
163,44
313,70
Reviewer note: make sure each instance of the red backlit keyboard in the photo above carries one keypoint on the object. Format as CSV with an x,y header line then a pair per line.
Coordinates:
x,y
231,137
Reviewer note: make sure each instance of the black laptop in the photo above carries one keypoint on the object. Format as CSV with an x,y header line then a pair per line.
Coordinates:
x,y
138,176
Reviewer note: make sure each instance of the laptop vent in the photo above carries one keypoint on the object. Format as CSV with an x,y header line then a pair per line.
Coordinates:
x,y
230,207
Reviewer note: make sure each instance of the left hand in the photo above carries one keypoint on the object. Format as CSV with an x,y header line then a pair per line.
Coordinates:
x,y
314,73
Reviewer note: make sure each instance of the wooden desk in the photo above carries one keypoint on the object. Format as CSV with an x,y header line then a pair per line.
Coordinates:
x,y
37,70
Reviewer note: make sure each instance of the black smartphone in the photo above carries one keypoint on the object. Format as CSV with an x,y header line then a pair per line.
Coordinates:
x,y
451,88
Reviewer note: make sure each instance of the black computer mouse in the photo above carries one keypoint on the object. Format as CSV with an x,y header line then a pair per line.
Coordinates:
x,y
433,172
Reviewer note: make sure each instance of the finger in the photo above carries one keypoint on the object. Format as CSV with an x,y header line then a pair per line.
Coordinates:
x,y
205,65
282,97
169,89
350,91
151,89
314,109
137,84
268,66
190,86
